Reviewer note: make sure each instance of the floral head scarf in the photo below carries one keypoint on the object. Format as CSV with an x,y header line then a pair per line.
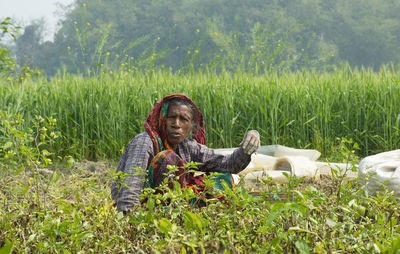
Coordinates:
x,y
155,123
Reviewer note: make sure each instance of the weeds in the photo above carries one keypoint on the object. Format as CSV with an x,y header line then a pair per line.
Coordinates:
x,y
79,216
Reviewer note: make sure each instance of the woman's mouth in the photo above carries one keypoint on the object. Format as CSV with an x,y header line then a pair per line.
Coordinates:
x,y
175,135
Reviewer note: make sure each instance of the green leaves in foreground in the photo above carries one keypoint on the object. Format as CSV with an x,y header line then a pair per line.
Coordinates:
x,y
79,216
7,248
301,216
195,222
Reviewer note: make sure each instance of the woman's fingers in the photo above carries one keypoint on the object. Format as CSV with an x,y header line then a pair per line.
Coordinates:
x,y
251,142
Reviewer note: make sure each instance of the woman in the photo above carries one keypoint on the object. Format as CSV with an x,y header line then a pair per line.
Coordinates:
x,y
166,142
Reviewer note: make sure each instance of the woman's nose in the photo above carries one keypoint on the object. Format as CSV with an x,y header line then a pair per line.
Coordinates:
x,y
176,123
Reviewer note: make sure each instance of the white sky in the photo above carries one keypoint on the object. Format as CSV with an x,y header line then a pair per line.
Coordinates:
x,y
24,11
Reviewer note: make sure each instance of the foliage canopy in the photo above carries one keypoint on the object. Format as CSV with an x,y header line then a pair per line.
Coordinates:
x,y
252,35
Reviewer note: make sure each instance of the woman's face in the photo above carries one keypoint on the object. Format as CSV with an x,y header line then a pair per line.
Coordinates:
x,y
178,124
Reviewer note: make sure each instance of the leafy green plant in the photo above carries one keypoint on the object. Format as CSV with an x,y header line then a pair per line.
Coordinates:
x,y
7,62
79,216
29,151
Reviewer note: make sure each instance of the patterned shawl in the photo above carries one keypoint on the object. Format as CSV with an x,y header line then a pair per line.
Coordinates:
x,y
155,123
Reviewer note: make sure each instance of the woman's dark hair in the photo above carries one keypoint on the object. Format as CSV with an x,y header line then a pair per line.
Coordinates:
x,y
195,115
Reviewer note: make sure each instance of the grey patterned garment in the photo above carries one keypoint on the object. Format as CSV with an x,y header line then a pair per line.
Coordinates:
x,y
139,153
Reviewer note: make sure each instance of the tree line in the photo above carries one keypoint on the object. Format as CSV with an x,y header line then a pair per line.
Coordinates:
x,y
252,35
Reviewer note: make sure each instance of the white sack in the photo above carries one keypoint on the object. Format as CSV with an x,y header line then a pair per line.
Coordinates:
x,y
278,151
381,169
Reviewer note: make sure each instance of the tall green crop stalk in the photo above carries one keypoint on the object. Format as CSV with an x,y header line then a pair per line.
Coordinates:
x,y
100,114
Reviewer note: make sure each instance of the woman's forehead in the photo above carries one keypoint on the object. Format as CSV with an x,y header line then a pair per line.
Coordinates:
x,y
179,108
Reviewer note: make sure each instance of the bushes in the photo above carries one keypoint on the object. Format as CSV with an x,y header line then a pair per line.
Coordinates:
x,y
69,210
79,216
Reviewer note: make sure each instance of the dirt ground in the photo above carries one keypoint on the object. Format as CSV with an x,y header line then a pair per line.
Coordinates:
x,y
93,166
324,182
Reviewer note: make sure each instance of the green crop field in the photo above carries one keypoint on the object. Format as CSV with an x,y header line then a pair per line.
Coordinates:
x,y
98,115
50,203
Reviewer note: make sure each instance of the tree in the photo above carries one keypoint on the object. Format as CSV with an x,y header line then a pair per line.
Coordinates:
x,y
29,43
235,34
366,32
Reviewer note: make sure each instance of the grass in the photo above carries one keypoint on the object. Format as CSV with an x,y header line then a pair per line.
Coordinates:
x,y
69,210
98,115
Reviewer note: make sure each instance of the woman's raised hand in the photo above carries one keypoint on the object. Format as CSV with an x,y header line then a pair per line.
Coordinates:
x,y
251,142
